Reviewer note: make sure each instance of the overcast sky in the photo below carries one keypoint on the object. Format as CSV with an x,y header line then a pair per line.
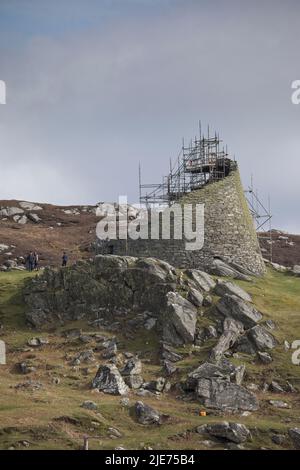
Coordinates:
x,y
95,86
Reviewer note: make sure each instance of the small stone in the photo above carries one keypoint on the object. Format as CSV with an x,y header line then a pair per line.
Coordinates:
x,y
264,357
279,404
89,405
275,387
279,439
114,432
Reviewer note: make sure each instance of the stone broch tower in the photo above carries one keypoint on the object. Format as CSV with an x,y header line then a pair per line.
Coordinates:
x,y
229,231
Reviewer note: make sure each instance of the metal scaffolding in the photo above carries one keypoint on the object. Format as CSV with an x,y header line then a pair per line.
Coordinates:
x,y
201,162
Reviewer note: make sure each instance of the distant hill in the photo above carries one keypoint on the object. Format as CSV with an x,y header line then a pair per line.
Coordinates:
x,y
51,229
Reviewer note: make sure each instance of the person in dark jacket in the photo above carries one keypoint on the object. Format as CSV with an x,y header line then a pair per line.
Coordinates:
x,y
64,259
30,261
35,260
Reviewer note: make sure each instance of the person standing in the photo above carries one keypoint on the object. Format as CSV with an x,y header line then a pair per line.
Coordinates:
x,y
30,261
64,259
35,260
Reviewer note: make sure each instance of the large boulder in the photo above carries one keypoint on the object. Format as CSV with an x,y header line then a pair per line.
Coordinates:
x,y
233,432
235,307
225,396
227,287
179,320
109,380
261,338
213,386
145,414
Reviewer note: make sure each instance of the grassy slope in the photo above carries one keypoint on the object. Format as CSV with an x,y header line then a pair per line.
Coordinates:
x,y
31,415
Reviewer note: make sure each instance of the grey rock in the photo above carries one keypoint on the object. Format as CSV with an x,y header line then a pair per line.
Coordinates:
x,y
132,367
22,220
169,368
195,297
89,405
234,432
146,415
296,270
231,331
235,307
226,396
201,279
157,385
150,323
264,357
227,287
114,432
279,439
109,380
134,381
11,211
221,268
244,345
279,404
179,320
25,368
30,206
261,338
168,353
34,218
270,324
275,387
110,349
295,436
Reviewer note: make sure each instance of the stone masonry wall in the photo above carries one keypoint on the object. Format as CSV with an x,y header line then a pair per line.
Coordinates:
x,y
229,231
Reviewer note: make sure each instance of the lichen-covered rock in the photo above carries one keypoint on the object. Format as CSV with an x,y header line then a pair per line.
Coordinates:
x,y
231,331
201,280
227,287
224,395
132,367
195,297
221,268
109,380
234,432
179,320
261,338
235,307
212,384
145,414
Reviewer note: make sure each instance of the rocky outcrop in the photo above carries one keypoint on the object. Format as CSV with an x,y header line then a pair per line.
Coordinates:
x,y
109,285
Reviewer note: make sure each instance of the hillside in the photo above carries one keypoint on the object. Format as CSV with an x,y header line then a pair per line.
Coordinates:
x,y
72,228
46,392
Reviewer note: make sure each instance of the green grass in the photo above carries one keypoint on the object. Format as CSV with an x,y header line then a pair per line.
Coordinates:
x,y
32,415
